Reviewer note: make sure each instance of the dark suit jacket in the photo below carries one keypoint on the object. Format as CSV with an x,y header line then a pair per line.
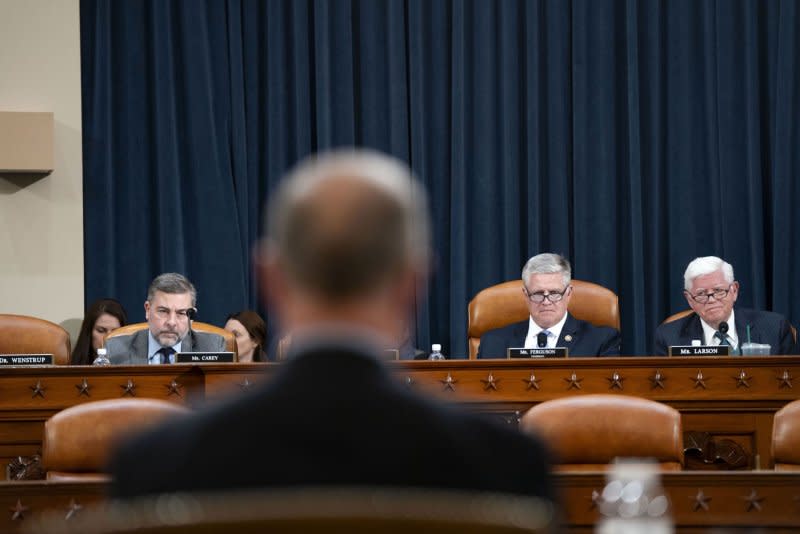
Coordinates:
x,y
765,327
132,350
331,415
585,339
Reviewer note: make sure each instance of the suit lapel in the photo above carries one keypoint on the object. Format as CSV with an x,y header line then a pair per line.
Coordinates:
x,y
520,333
187,345
567,337
139,346
692,329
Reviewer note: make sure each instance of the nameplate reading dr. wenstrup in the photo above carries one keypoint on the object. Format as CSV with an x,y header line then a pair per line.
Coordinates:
x,y
26,359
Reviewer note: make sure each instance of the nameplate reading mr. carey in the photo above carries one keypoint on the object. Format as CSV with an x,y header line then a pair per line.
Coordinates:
x,y
204,357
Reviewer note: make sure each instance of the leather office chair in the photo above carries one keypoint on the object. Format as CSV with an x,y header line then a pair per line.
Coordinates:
x,y
230,339
786,437
79,440
504,304
587,432
328,510
21,334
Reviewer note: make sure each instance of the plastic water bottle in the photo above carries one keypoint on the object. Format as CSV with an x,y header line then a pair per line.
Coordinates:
x,y
633,500
436,352
101,359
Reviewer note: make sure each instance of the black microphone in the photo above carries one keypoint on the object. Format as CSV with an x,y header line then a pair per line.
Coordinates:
x,y
541,339
191,313
723,328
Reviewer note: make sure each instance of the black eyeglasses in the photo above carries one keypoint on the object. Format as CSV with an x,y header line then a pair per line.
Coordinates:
x,y
718,294
539,296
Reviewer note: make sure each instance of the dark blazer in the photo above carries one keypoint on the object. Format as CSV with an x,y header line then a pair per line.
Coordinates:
x,y
331,415
132,349
765,327
580,337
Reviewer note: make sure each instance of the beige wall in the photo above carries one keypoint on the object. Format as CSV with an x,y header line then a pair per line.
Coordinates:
x,y
41,218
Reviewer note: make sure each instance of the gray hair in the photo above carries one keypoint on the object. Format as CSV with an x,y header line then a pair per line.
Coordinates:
x,y
706,265
172,283
547,263
345,221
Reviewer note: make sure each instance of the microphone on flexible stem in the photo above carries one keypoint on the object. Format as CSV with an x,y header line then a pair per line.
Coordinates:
x,y
191,313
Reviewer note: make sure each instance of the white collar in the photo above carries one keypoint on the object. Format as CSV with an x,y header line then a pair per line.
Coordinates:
x,y
534,330
709,331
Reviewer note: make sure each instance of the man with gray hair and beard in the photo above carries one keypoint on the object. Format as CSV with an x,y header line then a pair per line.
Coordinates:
x,y
346,248
547,291
711,291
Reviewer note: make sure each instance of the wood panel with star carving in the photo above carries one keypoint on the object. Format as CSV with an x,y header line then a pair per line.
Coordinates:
x,y
727,403
762,500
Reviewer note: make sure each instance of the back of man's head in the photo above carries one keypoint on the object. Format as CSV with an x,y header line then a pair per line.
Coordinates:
x,y
346,224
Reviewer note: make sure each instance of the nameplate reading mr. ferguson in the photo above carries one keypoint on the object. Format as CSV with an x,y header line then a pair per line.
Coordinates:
x,y
204,357
555,352
26,359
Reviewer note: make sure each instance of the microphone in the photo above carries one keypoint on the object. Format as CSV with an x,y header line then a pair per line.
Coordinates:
x,y
541,339
723,328
191,313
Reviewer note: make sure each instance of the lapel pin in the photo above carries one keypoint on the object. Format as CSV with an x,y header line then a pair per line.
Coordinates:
x,y
568,338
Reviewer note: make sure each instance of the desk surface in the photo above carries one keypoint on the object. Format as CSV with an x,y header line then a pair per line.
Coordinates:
x,y
698,501
727,403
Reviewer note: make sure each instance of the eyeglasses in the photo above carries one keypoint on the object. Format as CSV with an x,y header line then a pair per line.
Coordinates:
x,y
718,294
165,313
539,296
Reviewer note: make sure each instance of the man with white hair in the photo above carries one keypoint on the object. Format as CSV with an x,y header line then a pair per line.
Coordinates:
x,y
711,291
345,249
547,291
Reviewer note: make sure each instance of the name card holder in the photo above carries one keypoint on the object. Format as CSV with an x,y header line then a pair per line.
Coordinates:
x,y
699,350
26,359
204,357
555,352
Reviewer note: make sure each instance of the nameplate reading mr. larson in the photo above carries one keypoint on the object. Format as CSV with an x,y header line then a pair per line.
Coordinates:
x,y
204,357
555,352
699,350
26,359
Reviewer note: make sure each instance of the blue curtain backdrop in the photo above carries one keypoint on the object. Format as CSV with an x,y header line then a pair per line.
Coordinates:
x,y
631,136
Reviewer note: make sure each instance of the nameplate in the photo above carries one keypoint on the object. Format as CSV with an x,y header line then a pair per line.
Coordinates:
x,y
26,359
699,350
555,352
391,354
204,357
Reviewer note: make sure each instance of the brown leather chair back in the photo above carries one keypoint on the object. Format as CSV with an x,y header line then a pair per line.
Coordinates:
x,y
230,339
20,334
79,440
503,304
786,437
305,510
587,432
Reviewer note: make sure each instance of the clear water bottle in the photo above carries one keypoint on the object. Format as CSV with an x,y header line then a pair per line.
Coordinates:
x,y
633,500
436,352
102,358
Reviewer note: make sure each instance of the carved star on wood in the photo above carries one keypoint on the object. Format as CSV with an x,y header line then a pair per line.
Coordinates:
x,y
753,501
18,511
657,380
490,382
246,384
129,388
742,379
533,382
615,380
38,389
409,382
73,509
700,380
700,501
449,383
83,388
596,499
174,388
573,381
785,380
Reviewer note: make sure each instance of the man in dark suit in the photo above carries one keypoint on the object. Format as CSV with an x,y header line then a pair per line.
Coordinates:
x,y
345,249
711,292
546,287
171,300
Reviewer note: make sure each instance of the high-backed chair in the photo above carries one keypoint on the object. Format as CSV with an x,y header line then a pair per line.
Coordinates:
x,y
329,510
588,432
503,304
786,437
79,440
230,339
21,334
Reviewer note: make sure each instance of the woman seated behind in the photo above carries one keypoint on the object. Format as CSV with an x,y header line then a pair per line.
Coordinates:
x,y
102,317
250,332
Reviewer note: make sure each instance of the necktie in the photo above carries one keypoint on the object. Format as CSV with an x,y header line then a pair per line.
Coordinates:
x,y
541,338
723,339
166,352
